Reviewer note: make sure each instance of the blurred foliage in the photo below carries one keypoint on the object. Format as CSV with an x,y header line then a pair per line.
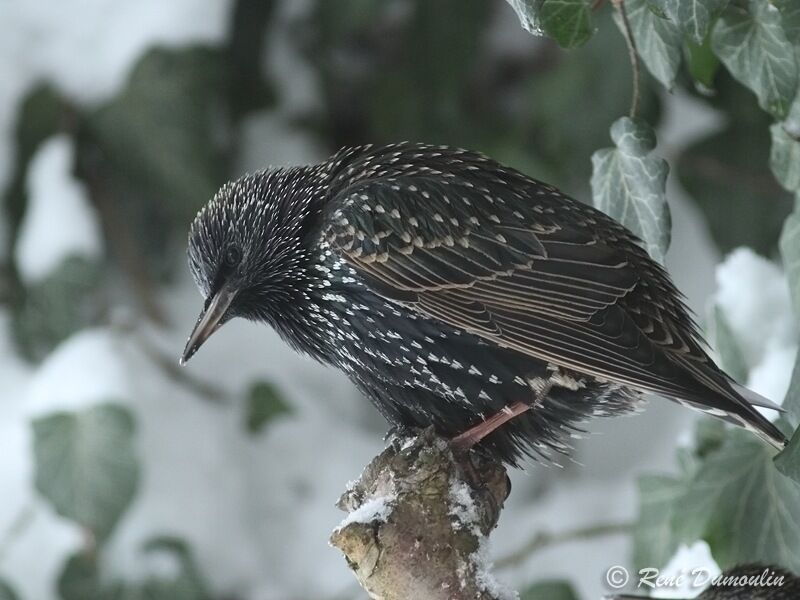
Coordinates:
x,y
730,356
439,72
264,403
86,465
66,301
81,578
6,592
549,590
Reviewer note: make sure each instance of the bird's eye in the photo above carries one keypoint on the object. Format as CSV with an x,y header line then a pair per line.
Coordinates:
x,y
232,256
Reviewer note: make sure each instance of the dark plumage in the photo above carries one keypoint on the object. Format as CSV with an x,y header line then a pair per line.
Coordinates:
x,y
449,288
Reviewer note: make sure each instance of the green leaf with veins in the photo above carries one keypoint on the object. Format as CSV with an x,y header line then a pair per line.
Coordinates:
x,y
790,17
629,184
790,254
658,40
567,21
528,13
654,542
727,347
784,158
86,465
694,17
738,502
753,46
788,461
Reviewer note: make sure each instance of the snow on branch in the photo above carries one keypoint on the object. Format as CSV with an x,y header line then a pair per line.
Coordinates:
x,y
418,523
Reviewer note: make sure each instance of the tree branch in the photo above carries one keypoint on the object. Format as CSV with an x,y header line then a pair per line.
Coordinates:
x,y
419,520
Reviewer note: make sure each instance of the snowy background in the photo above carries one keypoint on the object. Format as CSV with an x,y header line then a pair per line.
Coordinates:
x,y
118,120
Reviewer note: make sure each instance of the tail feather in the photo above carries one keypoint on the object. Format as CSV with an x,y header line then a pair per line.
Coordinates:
x,y
739,409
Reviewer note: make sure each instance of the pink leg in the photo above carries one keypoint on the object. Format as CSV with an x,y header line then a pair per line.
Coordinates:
x,y
473,435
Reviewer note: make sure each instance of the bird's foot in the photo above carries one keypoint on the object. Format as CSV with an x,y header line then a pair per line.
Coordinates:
x,y
463,442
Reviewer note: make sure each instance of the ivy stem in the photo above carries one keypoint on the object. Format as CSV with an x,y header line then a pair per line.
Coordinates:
x,y
619,6
544,539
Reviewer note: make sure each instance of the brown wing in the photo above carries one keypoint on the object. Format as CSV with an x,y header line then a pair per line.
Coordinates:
x,y
517,263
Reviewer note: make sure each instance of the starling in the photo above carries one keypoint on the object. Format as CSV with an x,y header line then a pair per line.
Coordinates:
x,y
457,293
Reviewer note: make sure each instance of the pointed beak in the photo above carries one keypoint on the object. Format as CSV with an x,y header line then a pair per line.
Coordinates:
x,y
208,322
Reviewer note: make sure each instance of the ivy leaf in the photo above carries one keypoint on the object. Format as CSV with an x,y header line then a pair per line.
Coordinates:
x,y
788,461
528,14
6,591
567,21
54,308
731,358
657,38
784,158
740,504
264,403
754,47
790,15
790,253
653,539
693,16
549,590
630,185
85,464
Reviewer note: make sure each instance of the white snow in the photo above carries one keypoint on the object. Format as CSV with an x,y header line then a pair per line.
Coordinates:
x,y
754,296
59,221
374,510
696,566
462,506
86,369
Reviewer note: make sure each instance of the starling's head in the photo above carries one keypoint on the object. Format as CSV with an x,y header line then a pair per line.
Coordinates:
x,y
250,248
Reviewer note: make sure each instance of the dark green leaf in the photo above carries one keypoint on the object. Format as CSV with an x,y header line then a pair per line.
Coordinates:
x,y
79,579
653,539
264,403
740,504
51,310
629,184
703,64
731,358
6,591
528,12
694,17
549,590
86,465
658,40
753,46
567,21
788,461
